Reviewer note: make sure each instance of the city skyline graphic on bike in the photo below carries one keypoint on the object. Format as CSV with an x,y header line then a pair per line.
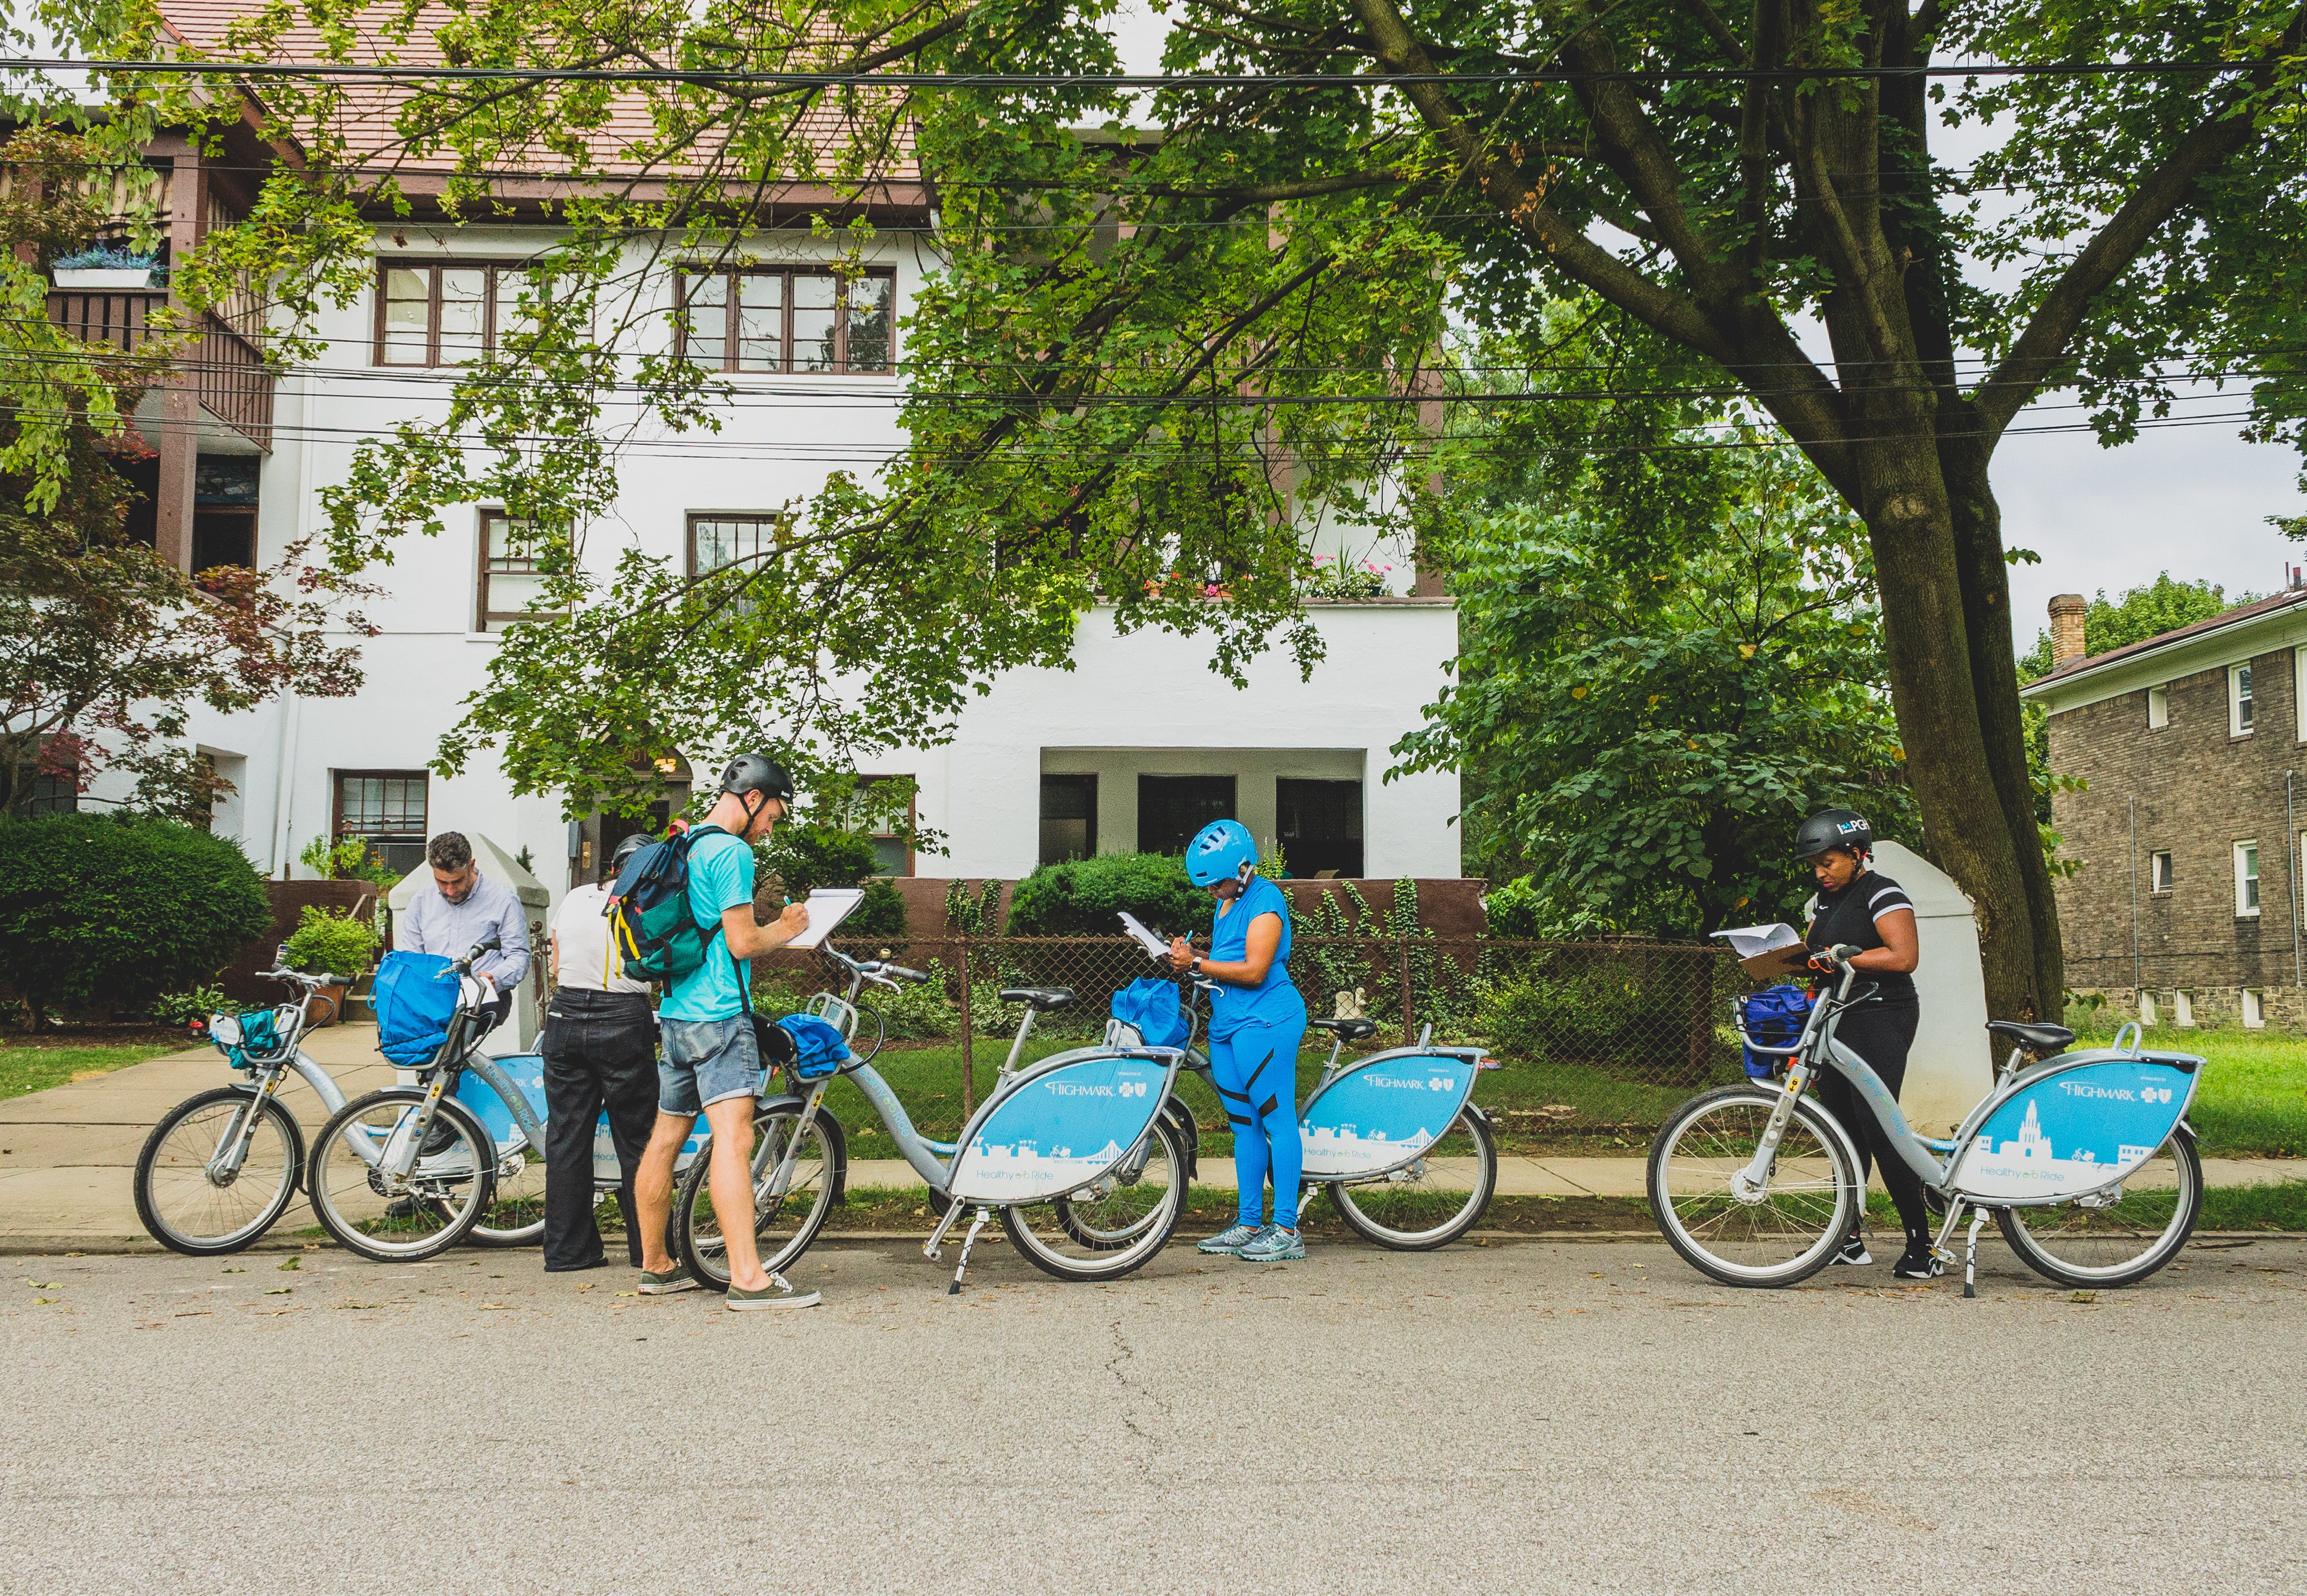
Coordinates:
x,y
1382,1113
1053,1132
2074,1130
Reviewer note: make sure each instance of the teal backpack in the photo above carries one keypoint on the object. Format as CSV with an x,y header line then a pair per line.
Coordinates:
x,y
650,927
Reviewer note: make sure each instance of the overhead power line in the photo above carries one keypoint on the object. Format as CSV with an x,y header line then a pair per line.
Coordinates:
x,y
361,70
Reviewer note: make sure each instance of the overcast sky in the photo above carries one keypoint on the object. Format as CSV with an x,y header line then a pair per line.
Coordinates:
x,y
2192,501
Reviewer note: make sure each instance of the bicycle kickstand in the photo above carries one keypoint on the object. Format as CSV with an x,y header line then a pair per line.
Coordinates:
x,y
1970,1253
967,1242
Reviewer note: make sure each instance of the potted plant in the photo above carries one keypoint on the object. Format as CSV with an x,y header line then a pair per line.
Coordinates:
x,y
333,943
104,267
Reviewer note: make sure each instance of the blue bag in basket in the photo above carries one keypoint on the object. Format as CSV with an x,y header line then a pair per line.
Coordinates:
x,y
820,1044
1149,1005
1773,1016
415,995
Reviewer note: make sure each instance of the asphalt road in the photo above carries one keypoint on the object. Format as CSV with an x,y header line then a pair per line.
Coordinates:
x,y
1514,1418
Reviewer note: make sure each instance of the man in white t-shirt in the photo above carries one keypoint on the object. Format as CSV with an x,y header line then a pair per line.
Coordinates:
x,y
600,1051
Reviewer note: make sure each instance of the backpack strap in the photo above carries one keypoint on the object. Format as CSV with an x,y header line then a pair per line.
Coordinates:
x,y
743,967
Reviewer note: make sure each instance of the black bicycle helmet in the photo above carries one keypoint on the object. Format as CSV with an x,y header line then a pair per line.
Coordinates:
x,y
1833,829
626,850
758,773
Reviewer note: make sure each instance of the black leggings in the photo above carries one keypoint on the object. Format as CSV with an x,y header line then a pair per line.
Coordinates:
x,y
1881,1036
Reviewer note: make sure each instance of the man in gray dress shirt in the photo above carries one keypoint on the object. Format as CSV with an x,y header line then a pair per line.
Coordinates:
x,y
465,907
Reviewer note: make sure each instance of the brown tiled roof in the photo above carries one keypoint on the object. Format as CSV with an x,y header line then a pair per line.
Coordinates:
x,y
368,126
2164,640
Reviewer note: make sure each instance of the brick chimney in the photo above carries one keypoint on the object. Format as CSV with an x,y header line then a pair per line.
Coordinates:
x,y
2066,628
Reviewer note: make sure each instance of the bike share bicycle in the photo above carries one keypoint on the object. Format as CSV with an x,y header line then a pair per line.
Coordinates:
x,y
222,1166
1395,1138
1097,1214
2084,1159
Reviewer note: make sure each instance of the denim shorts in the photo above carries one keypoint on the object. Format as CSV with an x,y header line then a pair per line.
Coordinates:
x,y
707,1061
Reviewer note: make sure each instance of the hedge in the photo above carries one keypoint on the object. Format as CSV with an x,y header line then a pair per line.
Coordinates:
x,y
1083,898
115,909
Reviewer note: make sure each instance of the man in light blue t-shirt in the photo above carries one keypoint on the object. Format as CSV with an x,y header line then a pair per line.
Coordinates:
x,y
711,1063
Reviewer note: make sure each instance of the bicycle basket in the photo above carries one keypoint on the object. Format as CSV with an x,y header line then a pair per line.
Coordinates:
x,y
818,1044
259,1037
1773,1016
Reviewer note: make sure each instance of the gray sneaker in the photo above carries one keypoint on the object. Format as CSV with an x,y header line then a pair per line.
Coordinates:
x,y
1231,1241
1272,1245
677,1279
777,1293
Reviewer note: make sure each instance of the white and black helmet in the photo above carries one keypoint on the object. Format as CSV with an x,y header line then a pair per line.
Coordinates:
x,y
1833,829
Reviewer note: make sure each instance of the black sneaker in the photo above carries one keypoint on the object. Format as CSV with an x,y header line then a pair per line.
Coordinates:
x,y
1918,1262
1854,1252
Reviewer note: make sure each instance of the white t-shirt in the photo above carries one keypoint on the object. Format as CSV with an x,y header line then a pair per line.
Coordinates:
x,y
581,928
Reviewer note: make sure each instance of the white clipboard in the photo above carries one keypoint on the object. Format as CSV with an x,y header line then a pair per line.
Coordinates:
x,y
828,906
1155,947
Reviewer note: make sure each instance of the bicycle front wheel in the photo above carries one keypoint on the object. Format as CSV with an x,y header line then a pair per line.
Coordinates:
x,y
1434,1201
784,1226
1777,1233
1111,1227
395,1217
2121,1237
187,1202
515,1215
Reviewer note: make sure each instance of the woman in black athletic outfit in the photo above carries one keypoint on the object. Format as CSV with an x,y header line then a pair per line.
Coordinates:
x,y
1860,908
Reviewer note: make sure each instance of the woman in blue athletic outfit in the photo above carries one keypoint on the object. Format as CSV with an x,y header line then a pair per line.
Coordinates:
x,y
1256,1022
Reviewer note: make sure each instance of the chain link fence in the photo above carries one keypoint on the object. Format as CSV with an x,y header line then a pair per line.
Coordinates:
x,y
1598,1041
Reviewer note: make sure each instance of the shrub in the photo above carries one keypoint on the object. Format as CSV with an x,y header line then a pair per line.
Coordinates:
x,y
1515,910
119,909
331,941
977,915
1081,897
805,856
191,1007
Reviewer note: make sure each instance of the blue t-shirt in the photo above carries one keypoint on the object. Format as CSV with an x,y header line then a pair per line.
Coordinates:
x,y
720,877
1274,1000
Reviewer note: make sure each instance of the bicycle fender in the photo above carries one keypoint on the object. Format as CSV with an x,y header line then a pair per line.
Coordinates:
x,y
836,1139
1181,1120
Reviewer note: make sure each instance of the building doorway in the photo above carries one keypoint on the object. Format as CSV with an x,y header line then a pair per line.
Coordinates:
x,y
1171,808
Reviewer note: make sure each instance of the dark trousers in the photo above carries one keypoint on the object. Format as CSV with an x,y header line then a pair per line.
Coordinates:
x,y
600,1052
1882,1037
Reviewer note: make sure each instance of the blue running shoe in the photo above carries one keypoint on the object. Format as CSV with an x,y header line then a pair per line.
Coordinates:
x,y
1273,1245
1229,1241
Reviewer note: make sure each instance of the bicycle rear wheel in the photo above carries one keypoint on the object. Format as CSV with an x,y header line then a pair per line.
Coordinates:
x,y
400,1219
515,1215
1783,1233
783,1227
2120,1239
190,1208
1432,1202
1110,1228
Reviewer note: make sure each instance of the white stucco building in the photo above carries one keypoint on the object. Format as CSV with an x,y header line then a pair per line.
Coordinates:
x,y
1136,746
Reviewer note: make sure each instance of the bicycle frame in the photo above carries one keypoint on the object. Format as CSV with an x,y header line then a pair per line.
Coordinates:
x,y
267,1077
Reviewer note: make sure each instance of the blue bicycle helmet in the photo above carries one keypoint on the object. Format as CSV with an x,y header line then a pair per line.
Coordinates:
x,y
1218,851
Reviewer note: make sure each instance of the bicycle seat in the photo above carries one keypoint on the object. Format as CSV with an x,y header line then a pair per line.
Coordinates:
x,y
1350,1030
2037,1039
1043,997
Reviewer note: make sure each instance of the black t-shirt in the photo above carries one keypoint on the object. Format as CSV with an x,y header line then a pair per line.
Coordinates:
x,y
1848,916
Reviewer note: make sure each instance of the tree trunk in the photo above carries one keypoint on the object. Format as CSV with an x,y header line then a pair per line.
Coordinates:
x,y
1994,680
1929,648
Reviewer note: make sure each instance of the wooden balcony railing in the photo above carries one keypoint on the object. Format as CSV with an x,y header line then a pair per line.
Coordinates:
x,y
228,372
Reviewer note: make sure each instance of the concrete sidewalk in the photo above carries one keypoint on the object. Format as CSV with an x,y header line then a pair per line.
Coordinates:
x,y
68,1155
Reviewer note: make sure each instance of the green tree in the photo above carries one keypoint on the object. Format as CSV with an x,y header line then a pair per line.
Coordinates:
x,y
1656,687
2148,610
1143,364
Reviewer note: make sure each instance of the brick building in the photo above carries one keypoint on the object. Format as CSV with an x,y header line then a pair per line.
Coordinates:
x,y
2192,746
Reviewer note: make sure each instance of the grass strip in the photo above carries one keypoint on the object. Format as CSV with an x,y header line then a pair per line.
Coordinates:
x,y
24,1069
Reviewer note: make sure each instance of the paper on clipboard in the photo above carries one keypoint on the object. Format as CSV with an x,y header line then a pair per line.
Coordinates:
x,y
1767,950
1155,947
828,906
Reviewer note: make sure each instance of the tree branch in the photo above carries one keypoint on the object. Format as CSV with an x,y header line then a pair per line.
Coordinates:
x,y
2041,350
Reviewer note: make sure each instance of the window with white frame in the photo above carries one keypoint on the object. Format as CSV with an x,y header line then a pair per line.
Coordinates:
x,y
2158,871
2159,707
2254,1011
2239,700
2246,879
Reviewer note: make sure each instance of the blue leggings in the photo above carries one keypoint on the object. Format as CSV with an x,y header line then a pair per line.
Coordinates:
x,y
1257,1070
